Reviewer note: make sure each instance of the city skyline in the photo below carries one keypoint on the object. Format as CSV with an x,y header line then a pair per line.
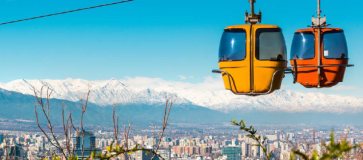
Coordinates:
x,y
221,143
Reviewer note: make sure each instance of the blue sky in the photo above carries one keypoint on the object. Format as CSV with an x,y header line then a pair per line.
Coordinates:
x,y
152,38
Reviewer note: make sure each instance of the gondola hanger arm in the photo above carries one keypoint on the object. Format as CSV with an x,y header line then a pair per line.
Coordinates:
x,y
253,18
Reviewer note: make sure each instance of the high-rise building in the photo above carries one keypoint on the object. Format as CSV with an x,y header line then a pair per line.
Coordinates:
x,y
270,147
232,153
167,139
85,142
191,150
248,140
176,142
227,142
271,138
255,150
178,150
16,152
216,146
1,138
143,155
165,153
206,151
244,147
240,137
234,142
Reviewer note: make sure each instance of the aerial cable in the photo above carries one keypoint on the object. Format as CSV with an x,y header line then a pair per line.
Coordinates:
x,y
70,11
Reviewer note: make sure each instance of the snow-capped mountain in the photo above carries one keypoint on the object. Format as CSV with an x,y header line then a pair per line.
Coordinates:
x,y
207,94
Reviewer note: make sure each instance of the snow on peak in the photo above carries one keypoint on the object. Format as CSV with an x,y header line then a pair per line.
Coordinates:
x,y
208,94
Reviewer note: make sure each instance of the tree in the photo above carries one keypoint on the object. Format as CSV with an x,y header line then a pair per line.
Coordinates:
x,y
68,150
333,149
115,150
67,123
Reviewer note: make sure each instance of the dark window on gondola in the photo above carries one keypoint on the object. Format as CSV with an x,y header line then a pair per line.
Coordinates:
x,y
303,46
233,45
270,44
335,45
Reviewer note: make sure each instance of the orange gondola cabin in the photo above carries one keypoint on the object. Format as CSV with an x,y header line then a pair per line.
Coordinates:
x,y
319,55
252,57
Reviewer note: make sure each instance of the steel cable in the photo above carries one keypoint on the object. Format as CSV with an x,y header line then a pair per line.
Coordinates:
x,y
70,11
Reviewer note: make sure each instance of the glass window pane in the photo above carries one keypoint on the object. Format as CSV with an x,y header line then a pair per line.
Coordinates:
x,y
303,46
233,45
335,45
270,44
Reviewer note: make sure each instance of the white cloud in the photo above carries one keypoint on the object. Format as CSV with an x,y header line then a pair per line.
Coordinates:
x,y
344,88
182,77
211,83
208,84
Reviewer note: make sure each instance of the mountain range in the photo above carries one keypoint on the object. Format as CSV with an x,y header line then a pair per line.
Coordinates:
x,y
155,91
143,99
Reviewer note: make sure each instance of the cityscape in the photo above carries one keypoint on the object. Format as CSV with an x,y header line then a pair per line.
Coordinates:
x,y
181,80
189,143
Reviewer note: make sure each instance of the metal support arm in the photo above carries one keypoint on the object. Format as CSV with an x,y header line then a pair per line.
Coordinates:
x,y
251,93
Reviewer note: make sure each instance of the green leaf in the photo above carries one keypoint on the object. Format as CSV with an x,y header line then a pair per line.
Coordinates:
x,y
93,154
315,156
332,141
302,155
292,156
233,121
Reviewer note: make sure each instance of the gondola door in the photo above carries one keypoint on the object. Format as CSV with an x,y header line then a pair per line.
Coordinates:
x,y
334,52
234,58
269,58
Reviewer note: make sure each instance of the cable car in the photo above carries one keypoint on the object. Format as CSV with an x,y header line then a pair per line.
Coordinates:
x,y
319,54
252,57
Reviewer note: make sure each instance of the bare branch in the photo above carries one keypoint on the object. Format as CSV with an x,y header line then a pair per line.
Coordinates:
x,y
126,135
67,123
84,108
167,110
45,134
115,124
